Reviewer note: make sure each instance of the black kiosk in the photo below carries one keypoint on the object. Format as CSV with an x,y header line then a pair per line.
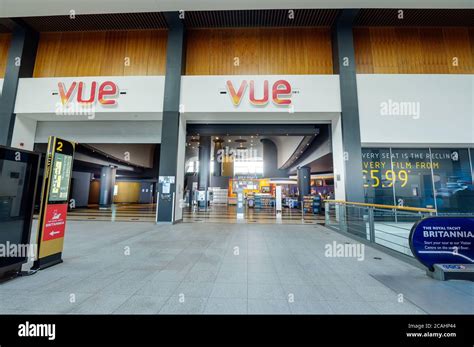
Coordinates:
x,y
18,180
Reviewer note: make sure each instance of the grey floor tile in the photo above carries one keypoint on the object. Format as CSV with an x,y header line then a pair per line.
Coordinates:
x,y
226,306
195,289
302,292
169,275
378,293
201,276
351,307
338,293
229,290
266,291
141,304
197,260
158,288
263,278
226,276
396,308
264,306
310,307
189,306
101,304
45,302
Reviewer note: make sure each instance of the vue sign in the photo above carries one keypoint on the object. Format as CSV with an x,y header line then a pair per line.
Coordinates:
x,y
105,94
281,93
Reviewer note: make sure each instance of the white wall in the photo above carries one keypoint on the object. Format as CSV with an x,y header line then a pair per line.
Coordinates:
x,y
101,132
445,103
1,85
338,160
311,93
178,211
286,146
144,95
24,133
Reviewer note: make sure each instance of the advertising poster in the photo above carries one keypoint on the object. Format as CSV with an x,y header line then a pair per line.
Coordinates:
x,y
55,221
419,177
443,240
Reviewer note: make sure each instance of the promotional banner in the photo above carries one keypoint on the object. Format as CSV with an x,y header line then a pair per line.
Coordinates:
x,y
443,240
54,202
419,177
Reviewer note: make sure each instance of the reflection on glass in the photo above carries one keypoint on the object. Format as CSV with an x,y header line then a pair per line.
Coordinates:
x,y
454,190
12,188
413,183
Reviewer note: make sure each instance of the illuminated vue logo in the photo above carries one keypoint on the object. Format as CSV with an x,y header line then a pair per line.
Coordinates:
x,y
281,93
106,94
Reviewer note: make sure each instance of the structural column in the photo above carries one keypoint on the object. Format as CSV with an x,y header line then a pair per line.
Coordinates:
x,y
20,64
204,167
344,65
304,181
227,163
218,157
107,185
171,118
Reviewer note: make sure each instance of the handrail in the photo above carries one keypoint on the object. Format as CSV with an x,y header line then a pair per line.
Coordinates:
x,y
388,207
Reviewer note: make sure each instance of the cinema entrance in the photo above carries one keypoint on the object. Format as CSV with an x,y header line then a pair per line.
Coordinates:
x,y
257,173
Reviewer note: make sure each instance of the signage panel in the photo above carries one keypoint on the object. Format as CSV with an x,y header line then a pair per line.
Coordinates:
x,y
419,177
281,93
443,240
55,221
54,202
285,94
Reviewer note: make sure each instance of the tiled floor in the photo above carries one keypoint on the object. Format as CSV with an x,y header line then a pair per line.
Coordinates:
x,y
128,267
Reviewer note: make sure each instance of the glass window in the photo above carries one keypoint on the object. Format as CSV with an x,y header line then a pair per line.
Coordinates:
x,y
412,176
378,175
453,183
329,181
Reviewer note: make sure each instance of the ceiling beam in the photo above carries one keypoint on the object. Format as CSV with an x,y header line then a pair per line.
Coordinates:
x,y
253,129
27,8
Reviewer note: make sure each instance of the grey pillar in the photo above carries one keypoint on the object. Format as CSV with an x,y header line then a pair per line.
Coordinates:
x,y
304,181
344,65
204,165
217,162
107,184
175,61
20,63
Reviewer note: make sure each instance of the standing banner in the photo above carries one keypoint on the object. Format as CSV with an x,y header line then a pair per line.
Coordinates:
x,y
54,202
445,245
